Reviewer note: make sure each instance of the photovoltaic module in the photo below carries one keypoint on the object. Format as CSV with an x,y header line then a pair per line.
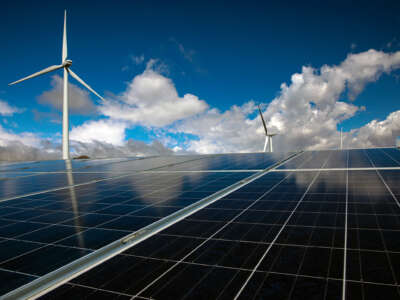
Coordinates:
x,y
306,225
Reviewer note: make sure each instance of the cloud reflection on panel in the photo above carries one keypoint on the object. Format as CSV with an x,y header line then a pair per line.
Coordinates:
x,y
330,187
148,193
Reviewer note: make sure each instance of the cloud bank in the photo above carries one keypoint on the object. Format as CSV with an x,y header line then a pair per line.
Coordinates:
x,y
305,113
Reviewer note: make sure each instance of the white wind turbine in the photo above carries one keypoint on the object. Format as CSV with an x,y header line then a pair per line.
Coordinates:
x,y
65,64
268,136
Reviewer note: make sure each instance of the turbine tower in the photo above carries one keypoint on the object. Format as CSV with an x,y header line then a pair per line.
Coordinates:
x,y
268,136
65,65
341,138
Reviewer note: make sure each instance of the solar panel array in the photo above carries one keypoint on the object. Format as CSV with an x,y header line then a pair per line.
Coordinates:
x,y
322,225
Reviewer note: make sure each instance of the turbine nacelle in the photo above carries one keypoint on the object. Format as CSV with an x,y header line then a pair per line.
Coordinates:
x,y
67,63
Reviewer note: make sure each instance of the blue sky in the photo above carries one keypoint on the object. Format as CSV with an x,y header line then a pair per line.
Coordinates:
x,y
223,53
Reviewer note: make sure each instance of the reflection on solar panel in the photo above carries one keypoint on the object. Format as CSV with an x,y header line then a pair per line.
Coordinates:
x,y
312,225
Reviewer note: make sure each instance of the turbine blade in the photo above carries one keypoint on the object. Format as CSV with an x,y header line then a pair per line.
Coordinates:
x,y
262,118
64,45
44,71
84,83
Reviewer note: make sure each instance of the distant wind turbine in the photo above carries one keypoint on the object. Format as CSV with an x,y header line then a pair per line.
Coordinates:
x,y
268,136
65,64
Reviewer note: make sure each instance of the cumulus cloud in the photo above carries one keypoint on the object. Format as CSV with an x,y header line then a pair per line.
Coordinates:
x,y
376,133
104,130
26,138
305,113
23,146
8,110
219,132
151,99
79,100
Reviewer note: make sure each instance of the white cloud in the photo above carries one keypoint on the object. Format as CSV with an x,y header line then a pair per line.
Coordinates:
x,y
230,131
305,113
26,138
8,110
376,133
23,146
104,130
151,99
79,100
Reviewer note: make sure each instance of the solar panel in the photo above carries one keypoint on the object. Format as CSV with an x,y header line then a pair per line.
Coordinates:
x,y
239,161
58,165
323,225
357,158
99,214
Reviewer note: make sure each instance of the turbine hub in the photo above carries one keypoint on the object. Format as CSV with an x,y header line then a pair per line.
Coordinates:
x,y
67,63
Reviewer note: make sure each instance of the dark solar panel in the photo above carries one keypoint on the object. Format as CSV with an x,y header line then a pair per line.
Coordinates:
x,y
357,158
22,185
58,165
242,161
384,157
309,233
55,228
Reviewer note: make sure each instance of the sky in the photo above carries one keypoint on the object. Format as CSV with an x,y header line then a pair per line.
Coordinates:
x,y
183,77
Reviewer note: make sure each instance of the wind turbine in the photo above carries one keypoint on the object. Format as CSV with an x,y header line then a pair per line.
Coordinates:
x,y
65,64
268,136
